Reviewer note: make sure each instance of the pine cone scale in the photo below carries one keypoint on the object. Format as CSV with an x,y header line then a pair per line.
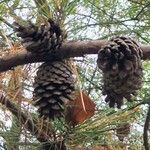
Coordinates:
x,y
55,87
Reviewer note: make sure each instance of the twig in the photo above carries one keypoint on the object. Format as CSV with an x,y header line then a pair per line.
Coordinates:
x,y
31,125
44,133
140,12
92,77
136,105
7,23
146,128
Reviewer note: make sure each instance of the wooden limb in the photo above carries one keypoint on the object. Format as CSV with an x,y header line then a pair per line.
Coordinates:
x,y
146,128
68,49
42,133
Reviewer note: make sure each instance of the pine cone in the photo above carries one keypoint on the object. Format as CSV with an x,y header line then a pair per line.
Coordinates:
x,y
53,88
123,131
120,61
48,37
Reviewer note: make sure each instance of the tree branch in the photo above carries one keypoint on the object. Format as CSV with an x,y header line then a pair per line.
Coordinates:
x,y
146,128
41,133
68,49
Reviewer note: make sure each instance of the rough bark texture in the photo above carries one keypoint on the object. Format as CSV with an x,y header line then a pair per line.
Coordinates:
x,y
68,49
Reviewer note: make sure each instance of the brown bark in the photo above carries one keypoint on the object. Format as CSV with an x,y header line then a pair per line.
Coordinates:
x,y
68,49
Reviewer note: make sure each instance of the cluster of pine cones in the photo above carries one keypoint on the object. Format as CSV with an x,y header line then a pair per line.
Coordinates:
x,y
54,86
54,83
120,62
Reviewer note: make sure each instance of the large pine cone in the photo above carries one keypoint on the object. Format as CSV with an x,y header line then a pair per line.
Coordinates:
x,y
46,38
53,88
123,131
120,61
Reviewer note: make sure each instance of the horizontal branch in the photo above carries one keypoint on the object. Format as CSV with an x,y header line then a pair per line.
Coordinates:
x,y
68,49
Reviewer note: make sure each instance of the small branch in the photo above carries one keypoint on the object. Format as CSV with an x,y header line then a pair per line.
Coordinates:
x,y
90,82
142,10
146,128
68,49
15,111
136,105
42,133
7,23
